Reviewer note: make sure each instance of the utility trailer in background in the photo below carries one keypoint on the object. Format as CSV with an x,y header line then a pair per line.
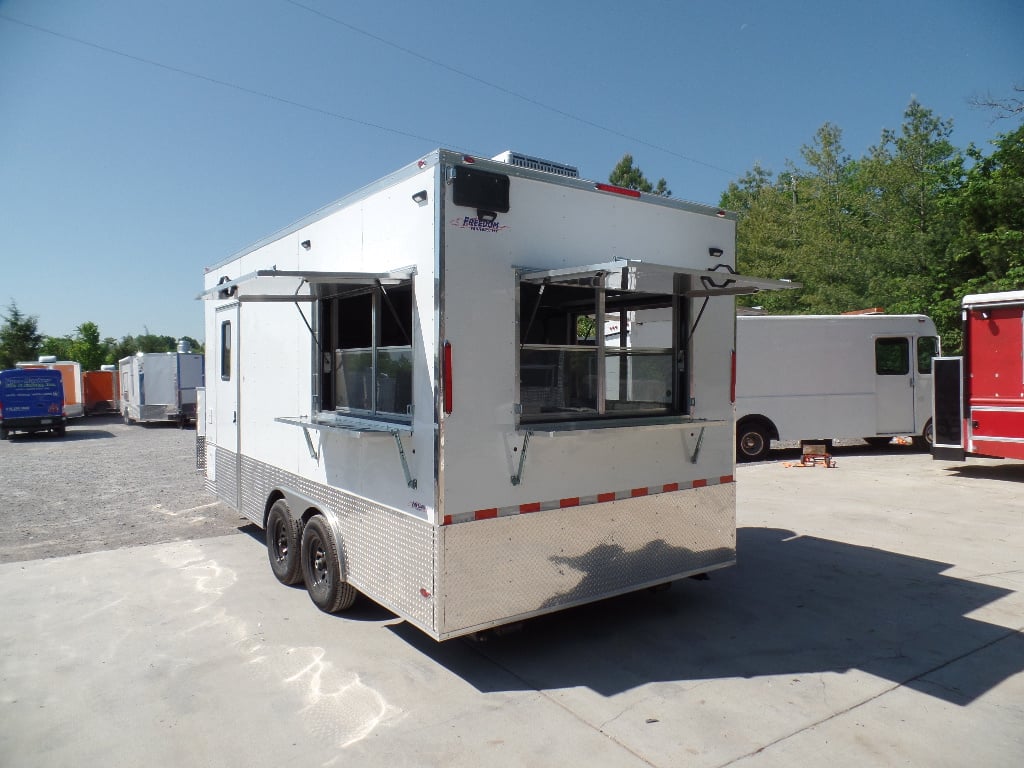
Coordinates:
x,y
407,392
824,377
979,397
101,392
71,379
160,386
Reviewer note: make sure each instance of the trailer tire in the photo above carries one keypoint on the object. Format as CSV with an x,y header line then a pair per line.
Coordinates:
x,y
752,441
60,431
5,434
321,568
283,544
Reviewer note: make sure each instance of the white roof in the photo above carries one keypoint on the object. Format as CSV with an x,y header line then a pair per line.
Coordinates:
x,y
1005,297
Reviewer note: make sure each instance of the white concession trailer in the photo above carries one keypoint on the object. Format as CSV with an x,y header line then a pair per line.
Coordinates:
x,y
407,392
160,386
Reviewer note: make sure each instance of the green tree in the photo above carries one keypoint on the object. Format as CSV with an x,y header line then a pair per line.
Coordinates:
x,y
908,178
87,347
628,176
20,339
987,252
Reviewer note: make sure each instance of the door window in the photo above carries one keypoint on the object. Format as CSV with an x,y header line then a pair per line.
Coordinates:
x,y
892,357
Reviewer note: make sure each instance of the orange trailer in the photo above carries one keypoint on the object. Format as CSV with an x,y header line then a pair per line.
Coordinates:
x,y
101,390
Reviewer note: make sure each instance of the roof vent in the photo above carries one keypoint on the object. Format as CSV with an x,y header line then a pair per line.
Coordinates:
x,y
537,164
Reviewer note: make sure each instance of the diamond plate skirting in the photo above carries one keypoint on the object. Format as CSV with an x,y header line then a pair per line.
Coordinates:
x,y
387,555
513,567
455,579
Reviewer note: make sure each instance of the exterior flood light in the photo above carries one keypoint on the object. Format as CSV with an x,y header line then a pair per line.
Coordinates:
x,y
420,197
306,244
715,253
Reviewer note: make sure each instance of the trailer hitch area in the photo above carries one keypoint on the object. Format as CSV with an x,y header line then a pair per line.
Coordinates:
x,y
409,479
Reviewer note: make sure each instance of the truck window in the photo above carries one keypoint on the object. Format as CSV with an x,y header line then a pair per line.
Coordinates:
x,y
577,360
892,357
366,351
927,348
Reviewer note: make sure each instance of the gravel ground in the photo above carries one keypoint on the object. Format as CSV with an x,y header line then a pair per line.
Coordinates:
x,y
104,485
107,485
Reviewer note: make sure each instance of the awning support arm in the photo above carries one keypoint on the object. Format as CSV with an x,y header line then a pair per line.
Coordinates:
x,y
517,478
409,479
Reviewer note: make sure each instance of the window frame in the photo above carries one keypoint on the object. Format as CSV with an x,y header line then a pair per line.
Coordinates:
x,y
225,350
329,318
608,303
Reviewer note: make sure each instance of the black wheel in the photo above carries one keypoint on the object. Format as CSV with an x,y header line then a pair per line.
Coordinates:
x,y
60,431
923,442
5,434
878,442
321,568
283,544
752,442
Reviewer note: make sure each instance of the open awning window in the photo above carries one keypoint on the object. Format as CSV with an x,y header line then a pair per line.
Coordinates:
x,y
645,277
267,285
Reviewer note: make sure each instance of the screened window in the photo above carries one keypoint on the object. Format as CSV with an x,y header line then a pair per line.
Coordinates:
x,y
366,351
225,350
588,352
927,348
892,357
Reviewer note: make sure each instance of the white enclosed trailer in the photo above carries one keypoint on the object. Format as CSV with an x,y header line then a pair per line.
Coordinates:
x,y
407,393
822,377
160,386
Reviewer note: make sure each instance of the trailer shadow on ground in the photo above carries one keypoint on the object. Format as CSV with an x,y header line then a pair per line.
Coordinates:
x,y
795,605
1006,471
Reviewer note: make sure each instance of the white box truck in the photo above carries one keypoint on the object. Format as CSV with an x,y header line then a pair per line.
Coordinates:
x,y
160,386
824,377
407,393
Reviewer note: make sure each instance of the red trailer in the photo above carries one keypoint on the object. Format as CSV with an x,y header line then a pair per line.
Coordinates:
x,y
978,399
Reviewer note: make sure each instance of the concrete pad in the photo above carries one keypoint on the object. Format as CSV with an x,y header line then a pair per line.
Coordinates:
x,y
874,618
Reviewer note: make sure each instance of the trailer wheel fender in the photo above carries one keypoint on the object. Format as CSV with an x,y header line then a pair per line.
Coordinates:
x,y
283,543
753,438
321,567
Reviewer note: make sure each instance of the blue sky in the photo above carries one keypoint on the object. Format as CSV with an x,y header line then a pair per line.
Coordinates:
x,y
143,141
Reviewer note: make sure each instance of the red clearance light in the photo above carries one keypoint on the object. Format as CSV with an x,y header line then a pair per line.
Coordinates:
x,y
446,377
468,160
720,214
421,164
617,190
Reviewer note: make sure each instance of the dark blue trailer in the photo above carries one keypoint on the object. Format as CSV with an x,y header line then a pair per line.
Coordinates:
x,y
31,400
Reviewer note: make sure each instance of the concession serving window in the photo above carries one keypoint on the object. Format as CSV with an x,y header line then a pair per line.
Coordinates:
x,y
612,340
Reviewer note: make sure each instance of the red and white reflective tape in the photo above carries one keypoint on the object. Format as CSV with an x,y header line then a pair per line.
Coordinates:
x,y
580,501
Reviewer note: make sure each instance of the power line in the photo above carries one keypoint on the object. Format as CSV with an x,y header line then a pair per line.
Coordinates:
x,y
506,91
222,83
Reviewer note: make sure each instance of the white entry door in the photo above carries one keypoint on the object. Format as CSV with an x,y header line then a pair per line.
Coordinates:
x,y
894,385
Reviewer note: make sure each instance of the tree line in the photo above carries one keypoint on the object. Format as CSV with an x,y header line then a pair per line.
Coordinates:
x,y
911,226
21,341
